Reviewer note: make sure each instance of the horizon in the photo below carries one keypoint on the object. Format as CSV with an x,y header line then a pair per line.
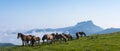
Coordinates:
x,y
24,14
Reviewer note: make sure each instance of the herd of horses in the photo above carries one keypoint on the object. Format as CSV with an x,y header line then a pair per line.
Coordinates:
x,y
48,38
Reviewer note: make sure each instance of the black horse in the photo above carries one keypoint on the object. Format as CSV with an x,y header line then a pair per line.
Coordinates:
x,y
80,34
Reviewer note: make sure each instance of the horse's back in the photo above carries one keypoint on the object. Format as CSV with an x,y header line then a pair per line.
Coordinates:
x,y
38,38
50,36
29,37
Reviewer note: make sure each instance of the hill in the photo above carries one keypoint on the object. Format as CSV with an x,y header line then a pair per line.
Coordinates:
x,y
87,26
97,42
109,30
6,44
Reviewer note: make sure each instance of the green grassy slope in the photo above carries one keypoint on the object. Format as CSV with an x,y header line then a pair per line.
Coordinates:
x,y
102,42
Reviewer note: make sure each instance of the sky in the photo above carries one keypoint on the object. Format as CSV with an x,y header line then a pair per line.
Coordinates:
x,y
29,14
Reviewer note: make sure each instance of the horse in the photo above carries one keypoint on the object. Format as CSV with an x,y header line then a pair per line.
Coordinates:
x,y
68,36
48,37
80,34
35,40
60,37
25,38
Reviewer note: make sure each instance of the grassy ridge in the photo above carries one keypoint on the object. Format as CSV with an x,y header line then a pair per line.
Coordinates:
x,y
103,42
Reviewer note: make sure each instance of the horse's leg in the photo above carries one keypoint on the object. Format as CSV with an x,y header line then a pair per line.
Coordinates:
x,y
22,43
77,35
51,41
38,42
25,42
47,42
35,42
60,40
32,43
43,42
54,41
65,39
71,37
80,35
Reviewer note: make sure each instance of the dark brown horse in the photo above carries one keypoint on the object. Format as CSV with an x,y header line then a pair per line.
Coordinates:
x,y
68,36
35,40
61,37
48,37
80,34
25,38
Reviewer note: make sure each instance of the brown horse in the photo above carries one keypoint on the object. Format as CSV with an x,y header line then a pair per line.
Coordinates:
x,y
60,37
25,38
48,37
35,40
80,34
68,36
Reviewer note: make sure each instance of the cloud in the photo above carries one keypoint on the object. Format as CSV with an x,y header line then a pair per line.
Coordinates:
x,y
12,38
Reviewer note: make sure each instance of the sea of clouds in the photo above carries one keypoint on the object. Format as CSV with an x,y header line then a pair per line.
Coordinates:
x,y
6,37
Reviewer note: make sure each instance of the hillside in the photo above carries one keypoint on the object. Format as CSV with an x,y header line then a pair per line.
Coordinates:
x,y
97,42
6,44
109,30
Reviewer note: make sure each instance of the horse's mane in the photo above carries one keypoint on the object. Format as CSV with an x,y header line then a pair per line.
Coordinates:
x,y
21,34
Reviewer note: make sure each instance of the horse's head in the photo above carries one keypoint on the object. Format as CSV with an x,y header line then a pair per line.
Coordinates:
x,y
19,35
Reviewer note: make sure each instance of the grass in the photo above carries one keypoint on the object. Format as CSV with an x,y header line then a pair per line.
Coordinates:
x,y
96,42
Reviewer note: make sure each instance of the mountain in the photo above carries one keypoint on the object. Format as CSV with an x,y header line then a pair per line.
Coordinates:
x,y
87,26
6,44
109,30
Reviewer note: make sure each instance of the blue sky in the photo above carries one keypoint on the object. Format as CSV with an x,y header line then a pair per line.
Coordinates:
x,y
25,14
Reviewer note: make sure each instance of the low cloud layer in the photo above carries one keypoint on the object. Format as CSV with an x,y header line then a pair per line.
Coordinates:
x,y
12,38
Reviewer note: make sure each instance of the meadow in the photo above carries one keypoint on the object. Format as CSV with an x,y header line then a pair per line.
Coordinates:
x,y
96,42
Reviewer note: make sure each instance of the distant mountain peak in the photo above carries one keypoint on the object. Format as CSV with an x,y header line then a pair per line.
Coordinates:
x,y
85,23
